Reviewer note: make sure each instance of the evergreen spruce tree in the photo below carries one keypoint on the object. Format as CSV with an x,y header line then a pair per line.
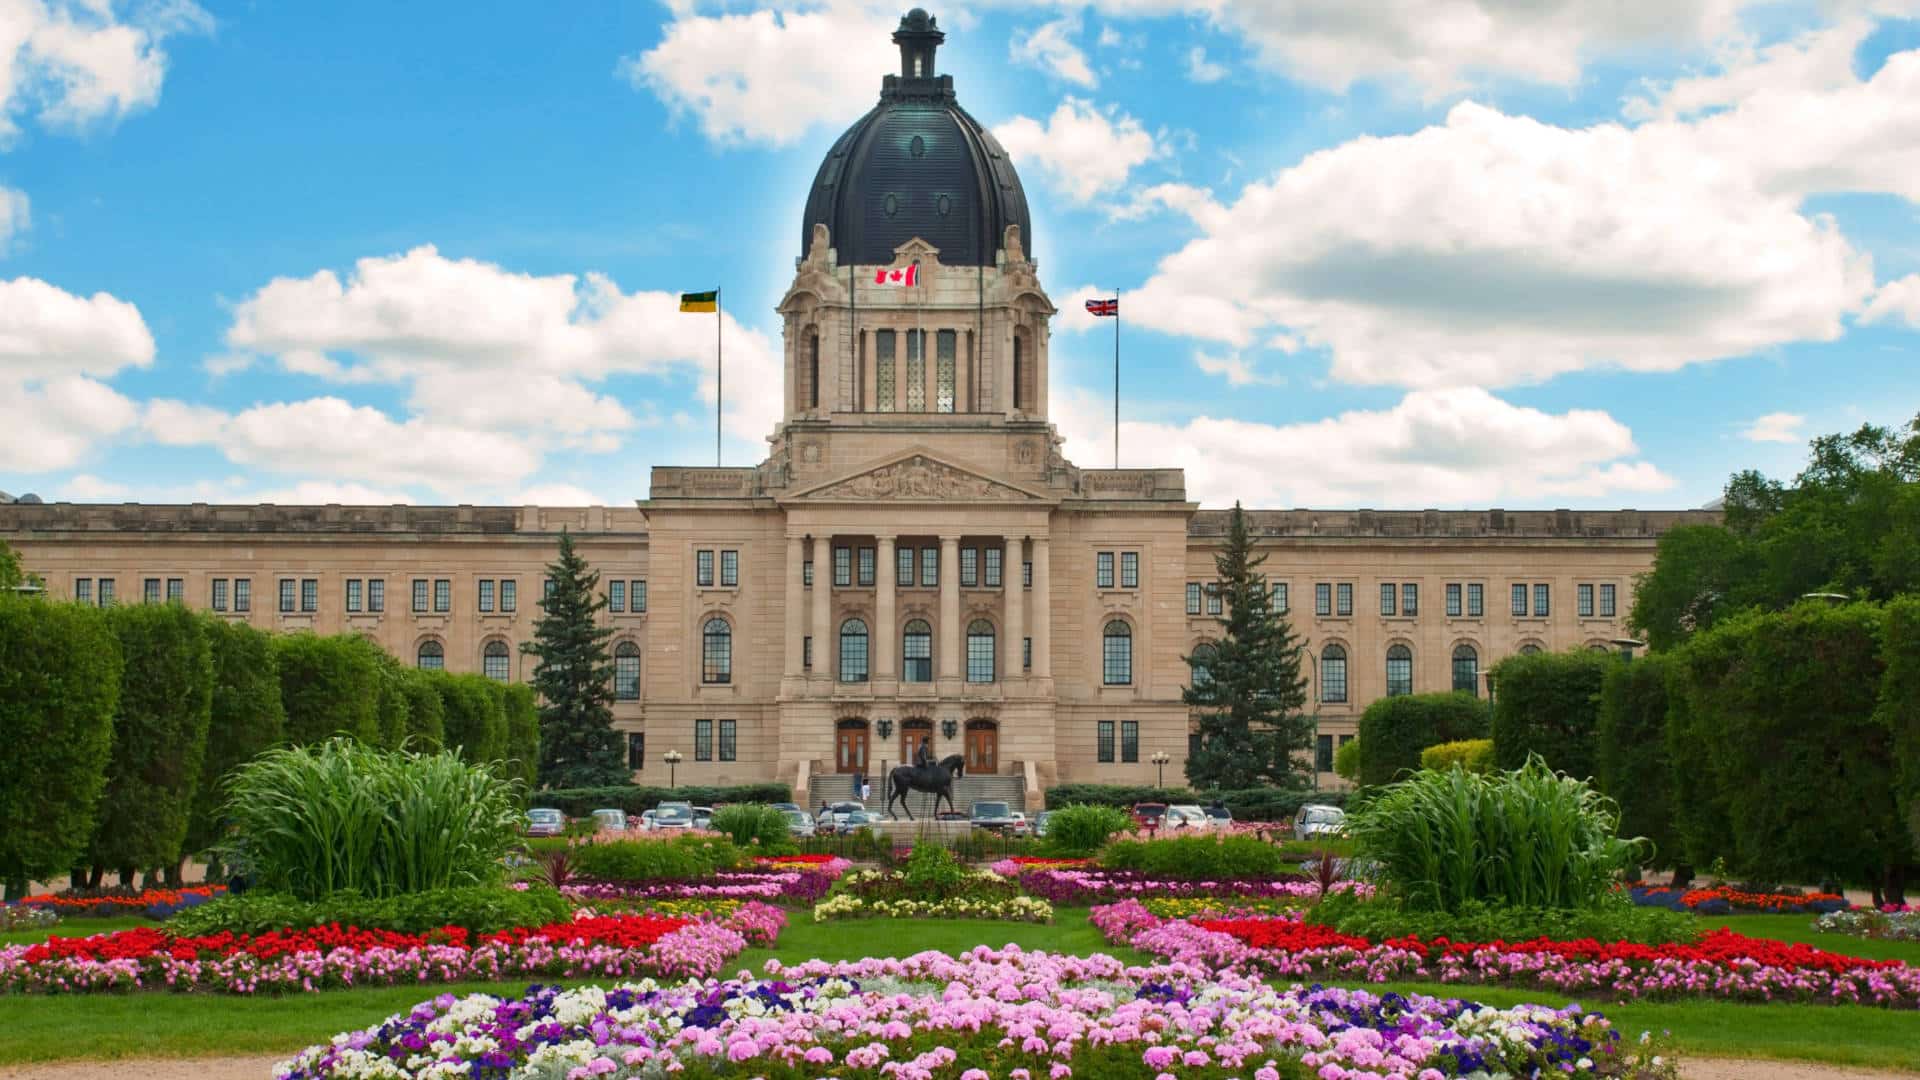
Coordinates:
x,y
578,745
1246,687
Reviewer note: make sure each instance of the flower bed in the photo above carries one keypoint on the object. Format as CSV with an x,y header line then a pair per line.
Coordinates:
x,y
1079,887
1722,964
152,903
1897,924
1008,1015
28,917
793,887
1003,908
332,957
1721,900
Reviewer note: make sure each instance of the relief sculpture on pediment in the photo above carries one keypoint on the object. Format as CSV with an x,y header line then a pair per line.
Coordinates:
x,y
916,478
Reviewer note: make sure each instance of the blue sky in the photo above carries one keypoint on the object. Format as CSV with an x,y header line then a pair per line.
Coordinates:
x,y
1578,255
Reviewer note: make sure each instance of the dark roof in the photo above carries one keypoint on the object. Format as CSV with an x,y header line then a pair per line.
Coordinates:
x,y
917,165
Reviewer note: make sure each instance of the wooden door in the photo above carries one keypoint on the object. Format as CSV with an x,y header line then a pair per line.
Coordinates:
x,y
983,749
912,738
850,755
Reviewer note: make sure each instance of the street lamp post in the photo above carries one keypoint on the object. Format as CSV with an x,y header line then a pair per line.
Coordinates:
x,y
1160,759
1314,659
1626,645
672,758
1829,597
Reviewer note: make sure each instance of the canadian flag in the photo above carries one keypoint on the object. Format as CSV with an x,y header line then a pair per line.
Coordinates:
x,y
908,277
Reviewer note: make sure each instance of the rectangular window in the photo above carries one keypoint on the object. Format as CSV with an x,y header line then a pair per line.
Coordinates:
x,y
730,568
703,740
442,595
106,592
1026,574
355,590
1387,595
866,568
546,590
1129,569
703,569
1540,597
287,587
992,569
419,594
1476,601
486,594
883,369
929,567
1104,750
980,656
806,573
1215,602
969,568
616,596
1519,601
1193,744
242,593
83,590
1606,601
1026,653
916,372
1323,753
1280,603
1343,599
945,347
1323,599
150,591
637,595
1453,601
1193,598
636,750
310,594
219,594
728,749
1130,740
806,652
1583,600
842,567
1409,599
1103,570
176,590
903,567
377,594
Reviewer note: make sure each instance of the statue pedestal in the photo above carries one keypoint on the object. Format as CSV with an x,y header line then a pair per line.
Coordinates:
x,y
903,832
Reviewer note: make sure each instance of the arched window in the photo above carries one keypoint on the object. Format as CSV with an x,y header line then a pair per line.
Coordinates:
x,y
1529,649
496,661
813,370
1116,654
432,656
716,651
1333,673
626,672
1019,374
1201,665
853,651
980,651
916,652
1466,669
1399,670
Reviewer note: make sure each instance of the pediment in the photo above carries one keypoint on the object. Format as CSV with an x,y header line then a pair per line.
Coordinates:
x,y
919,476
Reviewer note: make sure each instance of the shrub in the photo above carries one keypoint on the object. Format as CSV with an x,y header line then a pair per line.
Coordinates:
x,y
345,816
476,719
1632,755
1248,804
1549,704
426,716
1346,761
482,909
59,684
754,825
636,799
159,737
1613,919
1899,708
680,858
932,873
1473,755
1526,838
246,719
1083,830
523,733
394,705
1197,857
1396,729
329,686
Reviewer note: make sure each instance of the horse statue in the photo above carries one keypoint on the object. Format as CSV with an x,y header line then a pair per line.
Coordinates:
x,y
933,777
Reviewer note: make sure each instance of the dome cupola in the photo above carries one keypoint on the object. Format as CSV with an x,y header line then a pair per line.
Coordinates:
x,y
917,165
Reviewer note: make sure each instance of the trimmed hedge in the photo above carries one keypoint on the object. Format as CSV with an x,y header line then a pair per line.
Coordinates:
x,y
60,673
426,716
754,825
247,717
1635,769
1082,830
476,716
1396,729
1203,857
1473,755
394,705
1549,704
1249,804
679,859
637,799
523,732
1899,709
329,686
482,909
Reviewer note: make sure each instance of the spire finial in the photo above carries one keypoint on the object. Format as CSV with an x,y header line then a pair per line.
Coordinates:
x,y
918,37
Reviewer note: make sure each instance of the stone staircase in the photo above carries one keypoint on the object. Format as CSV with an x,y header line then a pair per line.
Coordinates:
x,y
967,790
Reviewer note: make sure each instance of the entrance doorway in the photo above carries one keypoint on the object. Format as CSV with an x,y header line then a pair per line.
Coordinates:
x,y
983,747
850,749
913,735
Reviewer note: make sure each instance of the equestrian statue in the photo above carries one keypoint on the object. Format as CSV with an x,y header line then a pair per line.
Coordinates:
x,y
927,775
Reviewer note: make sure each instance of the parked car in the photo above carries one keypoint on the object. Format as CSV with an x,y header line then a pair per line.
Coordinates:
x,y
799,823
1020,825
1316,820
856,820
1040,823
1147,815
702,817
545,822
673,815
792,806
1220,816
830,819
1186,817
992,815
646,821
610,820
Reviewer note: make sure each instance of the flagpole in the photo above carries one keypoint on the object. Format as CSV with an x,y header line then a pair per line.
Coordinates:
x,y
1116,378
719,372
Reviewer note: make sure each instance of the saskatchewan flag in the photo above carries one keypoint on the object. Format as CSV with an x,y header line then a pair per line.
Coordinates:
x,y
699,301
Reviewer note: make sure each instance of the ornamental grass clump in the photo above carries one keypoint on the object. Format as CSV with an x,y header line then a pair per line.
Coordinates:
x,y
341,816
754,825
1529,837
1083,830
1204,857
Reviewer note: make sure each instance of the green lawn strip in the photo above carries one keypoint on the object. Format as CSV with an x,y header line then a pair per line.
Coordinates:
x,y
1800,928
76,928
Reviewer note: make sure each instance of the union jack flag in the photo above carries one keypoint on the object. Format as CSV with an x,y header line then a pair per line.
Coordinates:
x,y
1105,308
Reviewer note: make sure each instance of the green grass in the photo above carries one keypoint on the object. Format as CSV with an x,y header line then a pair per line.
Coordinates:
x,y
1800,928
75,928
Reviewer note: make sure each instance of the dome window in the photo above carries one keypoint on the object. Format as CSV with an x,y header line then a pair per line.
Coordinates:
x,y
891,204
918,147
943,205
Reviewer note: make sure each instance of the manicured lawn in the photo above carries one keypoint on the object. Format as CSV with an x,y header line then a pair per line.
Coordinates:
x,y
1800,928
76,928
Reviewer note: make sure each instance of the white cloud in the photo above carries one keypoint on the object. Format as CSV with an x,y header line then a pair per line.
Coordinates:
x,y
84,487
1083,151
1440,448
1896,300
72,64
54,348
1110,38
56,423
1049,47
563,495
15,215
1202,70
768,76
1780,427
1236,369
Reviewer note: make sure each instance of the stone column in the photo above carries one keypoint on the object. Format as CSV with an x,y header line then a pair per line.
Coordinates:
x,y
823,607
1043,612
796,606
950,644
869,363
884,637
1016,611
